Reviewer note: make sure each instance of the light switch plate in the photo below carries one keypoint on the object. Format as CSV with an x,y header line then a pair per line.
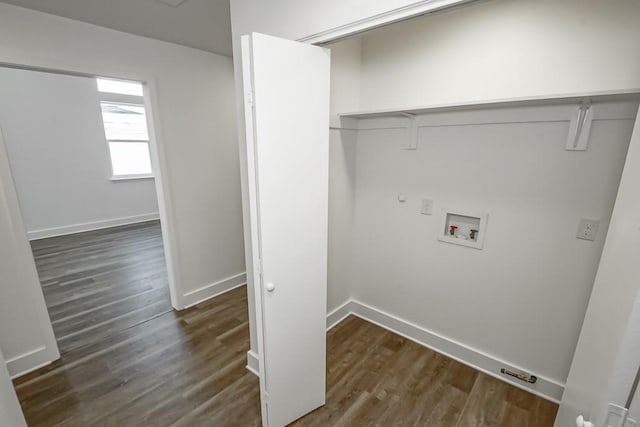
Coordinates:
x,y
588,229
427,207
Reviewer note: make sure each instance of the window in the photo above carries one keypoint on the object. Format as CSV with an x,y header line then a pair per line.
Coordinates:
x,y
120,87
125,126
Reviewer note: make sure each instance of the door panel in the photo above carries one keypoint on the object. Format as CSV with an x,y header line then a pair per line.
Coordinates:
x,y
287,118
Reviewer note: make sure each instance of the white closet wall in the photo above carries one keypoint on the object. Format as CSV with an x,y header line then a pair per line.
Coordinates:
x,y
522,298
345,95
502,50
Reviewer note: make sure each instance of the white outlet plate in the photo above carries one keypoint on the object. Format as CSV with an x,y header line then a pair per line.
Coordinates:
x,y
588,229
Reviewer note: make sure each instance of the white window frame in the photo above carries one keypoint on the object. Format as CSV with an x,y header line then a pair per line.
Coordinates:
x,y
135,101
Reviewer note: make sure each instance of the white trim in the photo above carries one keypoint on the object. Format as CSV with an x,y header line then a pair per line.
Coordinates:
x,y
90,226
47,349
117,178
545,388
402,13
30,361
252,191
163,191
120,98
621,95
212,290
540,110
253,365
339,314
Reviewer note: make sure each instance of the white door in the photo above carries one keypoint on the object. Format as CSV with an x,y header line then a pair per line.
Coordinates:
x,y
287,120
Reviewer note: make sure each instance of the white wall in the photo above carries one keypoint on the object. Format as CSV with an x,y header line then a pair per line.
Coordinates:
x,y
191,98
59,157
503,49
10,412
522,298
614,293
345,91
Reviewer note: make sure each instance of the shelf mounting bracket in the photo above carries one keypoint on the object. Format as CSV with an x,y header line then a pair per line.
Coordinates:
x,y
580,128
412,131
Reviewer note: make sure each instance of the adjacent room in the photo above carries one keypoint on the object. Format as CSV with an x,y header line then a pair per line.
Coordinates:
x,y
79,152
319,214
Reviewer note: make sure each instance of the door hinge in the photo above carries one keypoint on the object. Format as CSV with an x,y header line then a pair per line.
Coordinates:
x,y
250,99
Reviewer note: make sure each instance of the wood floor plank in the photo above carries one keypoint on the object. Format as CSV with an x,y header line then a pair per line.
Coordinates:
x,y
128,359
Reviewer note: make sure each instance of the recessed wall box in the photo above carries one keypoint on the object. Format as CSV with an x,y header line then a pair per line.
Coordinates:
x,y
463,228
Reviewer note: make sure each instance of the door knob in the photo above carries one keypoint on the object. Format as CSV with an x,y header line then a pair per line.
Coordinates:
x,y
270,287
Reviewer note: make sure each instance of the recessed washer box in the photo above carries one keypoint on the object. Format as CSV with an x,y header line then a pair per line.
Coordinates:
x,y
463,228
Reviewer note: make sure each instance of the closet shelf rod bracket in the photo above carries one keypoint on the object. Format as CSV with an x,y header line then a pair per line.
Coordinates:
x,y
412,131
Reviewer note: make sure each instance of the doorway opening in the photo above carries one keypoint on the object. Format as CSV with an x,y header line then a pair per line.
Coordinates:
x,y
79,150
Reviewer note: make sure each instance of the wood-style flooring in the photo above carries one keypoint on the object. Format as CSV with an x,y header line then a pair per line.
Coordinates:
x,y
129,360
100,282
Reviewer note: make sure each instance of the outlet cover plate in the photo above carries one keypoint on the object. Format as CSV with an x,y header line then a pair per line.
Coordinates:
x,y
588,229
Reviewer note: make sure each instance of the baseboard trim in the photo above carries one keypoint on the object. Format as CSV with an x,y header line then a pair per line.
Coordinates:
x,y
339,314
545,388
90,226
29,362
252,363
213,290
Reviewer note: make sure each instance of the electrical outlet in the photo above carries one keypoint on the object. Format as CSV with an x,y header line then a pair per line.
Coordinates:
x,y
588,229
427,207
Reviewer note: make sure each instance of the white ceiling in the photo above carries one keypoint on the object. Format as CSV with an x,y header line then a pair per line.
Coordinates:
x,y
202,24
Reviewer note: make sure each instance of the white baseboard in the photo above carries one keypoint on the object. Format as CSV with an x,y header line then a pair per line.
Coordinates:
x,y
30,361
90,226
252,363
194,297
339,314
544,387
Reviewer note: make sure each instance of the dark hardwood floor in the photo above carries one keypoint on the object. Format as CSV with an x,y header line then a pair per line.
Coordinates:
x,y
128,359
377,378
99,282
